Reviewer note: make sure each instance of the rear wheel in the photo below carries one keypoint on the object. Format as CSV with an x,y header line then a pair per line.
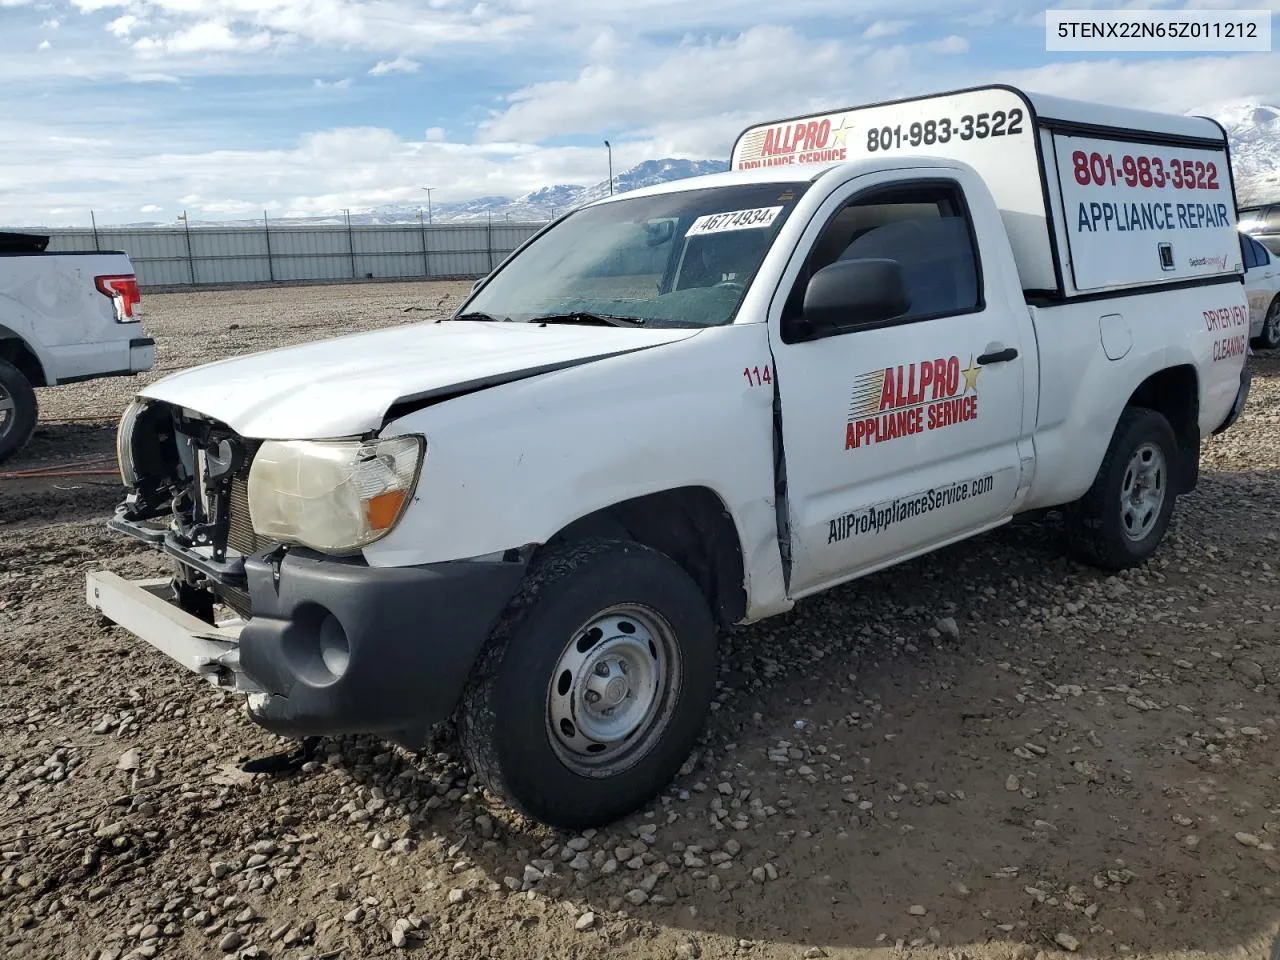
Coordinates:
x,y
17,410
594,687
1122,518
1269,336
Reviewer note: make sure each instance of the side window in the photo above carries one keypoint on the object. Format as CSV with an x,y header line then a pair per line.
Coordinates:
x,y
1246,251
1273,218
1261,255
925,227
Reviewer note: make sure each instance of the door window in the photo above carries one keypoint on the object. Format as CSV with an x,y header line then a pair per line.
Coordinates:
x,y
926,228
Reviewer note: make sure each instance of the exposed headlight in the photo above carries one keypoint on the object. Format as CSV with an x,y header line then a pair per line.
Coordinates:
x,y
124,442
332,496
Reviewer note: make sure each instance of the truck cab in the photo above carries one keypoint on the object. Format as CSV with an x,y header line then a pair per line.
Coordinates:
x,y
886,329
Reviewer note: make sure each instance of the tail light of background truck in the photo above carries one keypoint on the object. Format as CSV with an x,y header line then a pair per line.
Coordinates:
x,y
123,290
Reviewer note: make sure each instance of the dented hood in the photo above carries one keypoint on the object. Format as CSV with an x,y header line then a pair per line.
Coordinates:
x,y
345,385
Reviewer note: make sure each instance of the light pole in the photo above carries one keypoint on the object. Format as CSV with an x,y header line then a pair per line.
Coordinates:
x,y
606,143
428,189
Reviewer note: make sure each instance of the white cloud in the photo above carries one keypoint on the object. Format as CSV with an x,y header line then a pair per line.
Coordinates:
x,y
355,167
121,26
400,64
210,36
152,78
696,82
950,45
885,28
51,24
1176,84
435,134
44,45
332,85
150,208
93,6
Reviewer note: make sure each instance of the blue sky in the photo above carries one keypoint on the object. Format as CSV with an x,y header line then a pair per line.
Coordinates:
x,y
139,109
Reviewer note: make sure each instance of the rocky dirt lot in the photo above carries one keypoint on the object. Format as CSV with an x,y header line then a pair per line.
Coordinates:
x,y
992,752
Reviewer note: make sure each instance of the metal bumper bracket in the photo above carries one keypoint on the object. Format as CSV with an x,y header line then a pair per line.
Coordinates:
x,y
140,607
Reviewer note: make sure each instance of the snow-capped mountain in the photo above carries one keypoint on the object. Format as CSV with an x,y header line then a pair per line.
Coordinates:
x,y
1253,130
541,204
547,202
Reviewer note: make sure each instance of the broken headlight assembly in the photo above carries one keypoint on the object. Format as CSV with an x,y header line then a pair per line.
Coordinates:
x,y
333,496
124,442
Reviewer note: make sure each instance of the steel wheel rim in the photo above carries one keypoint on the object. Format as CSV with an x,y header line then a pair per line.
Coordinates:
x,y
8,411
613,690
1143,490
1271,325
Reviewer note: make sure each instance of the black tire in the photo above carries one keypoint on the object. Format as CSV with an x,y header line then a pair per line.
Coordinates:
x,y
1095,526
504,716
18,410
1269,338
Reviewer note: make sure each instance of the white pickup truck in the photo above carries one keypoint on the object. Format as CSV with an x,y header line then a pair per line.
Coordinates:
x,y
886,329
64,317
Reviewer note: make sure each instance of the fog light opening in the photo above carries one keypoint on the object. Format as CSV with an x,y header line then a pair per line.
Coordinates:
x,y
335,651
316,647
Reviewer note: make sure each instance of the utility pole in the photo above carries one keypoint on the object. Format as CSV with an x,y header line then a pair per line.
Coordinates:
x,y
428,189
191,263
606,143
426,261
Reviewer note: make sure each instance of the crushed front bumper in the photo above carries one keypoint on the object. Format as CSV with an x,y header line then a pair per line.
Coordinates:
x,y
332,646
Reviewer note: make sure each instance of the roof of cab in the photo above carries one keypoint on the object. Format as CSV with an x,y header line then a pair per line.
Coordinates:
x,y
800,173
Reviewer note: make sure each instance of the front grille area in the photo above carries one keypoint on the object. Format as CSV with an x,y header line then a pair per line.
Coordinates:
x,y
240,535
237,600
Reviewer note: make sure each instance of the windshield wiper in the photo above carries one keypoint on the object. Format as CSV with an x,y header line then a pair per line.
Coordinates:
x,y
480,316
580,316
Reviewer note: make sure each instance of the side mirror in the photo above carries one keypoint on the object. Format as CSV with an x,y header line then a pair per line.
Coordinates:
x,y
658,232
855,293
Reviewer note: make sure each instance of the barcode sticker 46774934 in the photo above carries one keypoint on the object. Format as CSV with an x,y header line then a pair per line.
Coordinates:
x,y
757,218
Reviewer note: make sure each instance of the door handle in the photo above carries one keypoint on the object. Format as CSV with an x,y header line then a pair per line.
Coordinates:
x,y
999,356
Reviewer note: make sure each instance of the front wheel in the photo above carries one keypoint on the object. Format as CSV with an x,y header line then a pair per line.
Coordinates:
x,y
594,687
1122,518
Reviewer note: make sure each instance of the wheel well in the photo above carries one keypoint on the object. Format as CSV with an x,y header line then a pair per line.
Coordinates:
x,y
19,355
690,525
1175,393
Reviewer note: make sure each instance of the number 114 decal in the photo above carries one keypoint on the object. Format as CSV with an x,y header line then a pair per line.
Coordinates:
x,y
757,375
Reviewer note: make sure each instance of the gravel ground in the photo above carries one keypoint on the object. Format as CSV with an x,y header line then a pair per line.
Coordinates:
x,y
991,752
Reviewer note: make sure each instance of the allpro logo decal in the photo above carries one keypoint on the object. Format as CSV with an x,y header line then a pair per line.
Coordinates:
x,y
910,399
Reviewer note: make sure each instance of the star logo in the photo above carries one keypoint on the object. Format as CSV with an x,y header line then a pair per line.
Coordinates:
x,y
970,374
840,133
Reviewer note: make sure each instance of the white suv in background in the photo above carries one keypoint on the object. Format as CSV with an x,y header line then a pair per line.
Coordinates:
x,y
1262,285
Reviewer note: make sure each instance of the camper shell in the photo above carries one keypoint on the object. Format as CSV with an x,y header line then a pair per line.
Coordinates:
x,y
1096,199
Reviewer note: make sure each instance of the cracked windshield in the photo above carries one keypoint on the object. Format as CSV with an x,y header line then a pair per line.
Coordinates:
x,y
681,259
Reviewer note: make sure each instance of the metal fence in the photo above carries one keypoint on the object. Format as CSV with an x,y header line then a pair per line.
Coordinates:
x,y
176,256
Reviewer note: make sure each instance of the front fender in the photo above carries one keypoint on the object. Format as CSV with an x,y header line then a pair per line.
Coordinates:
x,y
514,464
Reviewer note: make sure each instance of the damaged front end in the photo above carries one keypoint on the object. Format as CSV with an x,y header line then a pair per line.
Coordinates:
x,y
281,604
187,477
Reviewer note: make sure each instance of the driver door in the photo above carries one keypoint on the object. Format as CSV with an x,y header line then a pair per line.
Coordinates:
x,y
904,434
